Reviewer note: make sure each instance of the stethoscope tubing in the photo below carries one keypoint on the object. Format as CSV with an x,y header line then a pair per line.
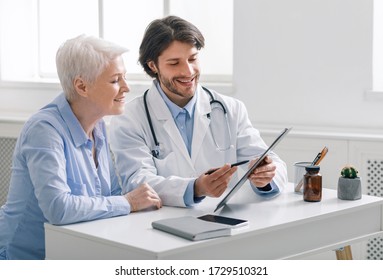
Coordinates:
x,y
156,150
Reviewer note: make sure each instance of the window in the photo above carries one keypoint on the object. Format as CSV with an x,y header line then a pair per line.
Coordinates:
x,y
378,47
29,41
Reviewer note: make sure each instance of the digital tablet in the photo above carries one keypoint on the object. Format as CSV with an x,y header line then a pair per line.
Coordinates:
x,y
255,165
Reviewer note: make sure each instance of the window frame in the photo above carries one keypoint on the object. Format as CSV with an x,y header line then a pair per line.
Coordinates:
x,y
376,93
138,82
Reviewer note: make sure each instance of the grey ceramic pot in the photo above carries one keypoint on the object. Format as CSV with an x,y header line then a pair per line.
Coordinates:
x,y
349,189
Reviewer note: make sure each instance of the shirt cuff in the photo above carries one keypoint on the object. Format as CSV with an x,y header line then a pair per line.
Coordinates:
x,y
269,190
265,188
189,197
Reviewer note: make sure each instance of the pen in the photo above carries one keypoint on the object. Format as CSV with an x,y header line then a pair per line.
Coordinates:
x,y
316,161
232,165
320,156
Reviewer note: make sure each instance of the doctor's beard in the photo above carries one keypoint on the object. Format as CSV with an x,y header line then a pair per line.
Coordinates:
x,y
173,87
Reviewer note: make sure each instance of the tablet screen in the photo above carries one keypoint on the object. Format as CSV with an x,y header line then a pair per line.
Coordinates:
x,y
255,165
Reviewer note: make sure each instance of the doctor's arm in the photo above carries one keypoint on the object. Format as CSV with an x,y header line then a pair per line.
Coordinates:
x,y
135,164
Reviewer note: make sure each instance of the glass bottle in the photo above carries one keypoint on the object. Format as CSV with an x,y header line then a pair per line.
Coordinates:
x,y
312,184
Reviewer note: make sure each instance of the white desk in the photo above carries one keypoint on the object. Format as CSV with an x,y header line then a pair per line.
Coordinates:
x,y
285,227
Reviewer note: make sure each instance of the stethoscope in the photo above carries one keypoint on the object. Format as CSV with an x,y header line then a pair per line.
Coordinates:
x,y
156,150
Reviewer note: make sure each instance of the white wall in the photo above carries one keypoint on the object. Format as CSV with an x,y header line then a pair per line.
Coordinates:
x,y
306,63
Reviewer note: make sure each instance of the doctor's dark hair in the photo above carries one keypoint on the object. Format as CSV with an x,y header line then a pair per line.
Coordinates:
x,y
160,33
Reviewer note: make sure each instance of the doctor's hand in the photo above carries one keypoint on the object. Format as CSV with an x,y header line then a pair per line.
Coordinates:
x,y
264,173
214,184
143,197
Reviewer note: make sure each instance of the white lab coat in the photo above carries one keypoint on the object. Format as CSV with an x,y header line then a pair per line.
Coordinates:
x,y
131,143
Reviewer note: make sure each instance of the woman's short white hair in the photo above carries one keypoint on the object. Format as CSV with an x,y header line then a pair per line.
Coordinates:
x,y
85,57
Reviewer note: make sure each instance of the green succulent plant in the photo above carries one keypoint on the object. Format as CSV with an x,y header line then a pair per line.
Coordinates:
x,y
349,172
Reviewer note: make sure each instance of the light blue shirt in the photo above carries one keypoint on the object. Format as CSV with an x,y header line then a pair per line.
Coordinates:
x,y
55,180
183,117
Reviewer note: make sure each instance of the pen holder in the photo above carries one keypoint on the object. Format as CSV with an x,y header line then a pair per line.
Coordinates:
x,y
299,172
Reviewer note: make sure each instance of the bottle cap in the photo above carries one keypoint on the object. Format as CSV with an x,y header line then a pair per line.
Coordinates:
x,y
312,168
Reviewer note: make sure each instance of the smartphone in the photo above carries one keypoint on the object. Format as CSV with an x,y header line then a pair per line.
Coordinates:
x,y
232,165
224,220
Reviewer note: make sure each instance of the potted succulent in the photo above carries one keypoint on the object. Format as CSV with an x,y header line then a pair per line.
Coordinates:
x,y
349,184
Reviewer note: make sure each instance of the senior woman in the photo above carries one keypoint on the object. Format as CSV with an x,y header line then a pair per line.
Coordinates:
x,y
62,170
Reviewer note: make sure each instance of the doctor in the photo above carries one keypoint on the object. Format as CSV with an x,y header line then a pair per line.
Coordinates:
x,y
174,133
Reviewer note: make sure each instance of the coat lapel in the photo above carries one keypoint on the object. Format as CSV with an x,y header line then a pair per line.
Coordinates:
x,y
201,123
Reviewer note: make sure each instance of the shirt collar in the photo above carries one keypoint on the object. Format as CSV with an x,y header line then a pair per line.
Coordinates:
x,y
77,132
174,108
